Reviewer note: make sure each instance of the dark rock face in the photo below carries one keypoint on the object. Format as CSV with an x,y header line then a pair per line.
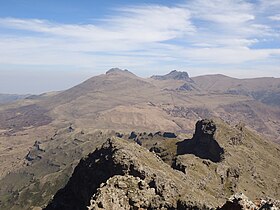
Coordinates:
x,y
86,178
176,75
204,130
202,144
115,162
158,133
186,87
133,135
119,135
169,135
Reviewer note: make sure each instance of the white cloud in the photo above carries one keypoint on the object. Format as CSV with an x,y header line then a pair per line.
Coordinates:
x,y
198,33
139,24
221,11
229,55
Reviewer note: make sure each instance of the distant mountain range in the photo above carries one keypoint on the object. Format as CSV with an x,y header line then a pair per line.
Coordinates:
x,y
121,100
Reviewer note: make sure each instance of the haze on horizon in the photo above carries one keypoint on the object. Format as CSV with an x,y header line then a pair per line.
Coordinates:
x,y
52,45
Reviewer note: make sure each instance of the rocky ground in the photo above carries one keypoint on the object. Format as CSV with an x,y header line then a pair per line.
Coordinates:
x,y
125,175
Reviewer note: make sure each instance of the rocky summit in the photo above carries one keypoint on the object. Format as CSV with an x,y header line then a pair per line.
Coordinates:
x,y
174,75
121,174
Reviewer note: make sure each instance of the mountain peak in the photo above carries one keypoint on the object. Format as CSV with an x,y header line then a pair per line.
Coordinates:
x,y
175,75
118,71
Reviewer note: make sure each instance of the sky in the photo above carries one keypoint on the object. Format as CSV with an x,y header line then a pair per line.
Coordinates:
x,y
48,45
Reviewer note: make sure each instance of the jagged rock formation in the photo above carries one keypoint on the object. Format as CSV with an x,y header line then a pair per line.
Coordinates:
x,y
175,75
203,143
224,166
239,201
136,178
124,175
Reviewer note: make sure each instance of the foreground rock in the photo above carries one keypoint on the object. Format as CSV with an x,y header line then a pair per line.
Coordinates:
x,y
239,201
197,173
124,175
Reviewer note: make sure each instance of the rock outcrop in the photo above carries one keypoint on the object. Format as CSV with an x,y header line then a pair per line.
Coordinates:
x,y
239,201
202,144
186,87
36,152
194,173
175,75
124,175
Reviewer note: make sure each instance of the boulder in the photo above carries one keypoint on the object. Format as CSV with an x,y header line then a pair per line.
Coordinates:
x,y
133,135
169,135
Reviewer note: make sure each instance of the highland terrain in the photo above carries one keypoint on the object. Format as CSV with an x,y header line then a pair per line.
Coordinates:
x,y
43,138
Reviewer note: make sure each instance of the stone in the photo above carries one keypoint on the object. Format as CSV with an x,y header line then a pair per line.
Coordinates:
x,y
122,185
133,135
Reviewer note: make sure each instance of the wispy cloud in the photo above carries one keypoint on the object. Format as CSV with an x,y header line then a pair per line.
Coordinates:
x,y
275,17
222,11
138,24
198,33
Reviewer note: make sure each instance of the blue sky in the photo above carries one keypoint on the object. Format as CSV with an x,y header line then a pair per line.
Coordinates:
x,y
50,45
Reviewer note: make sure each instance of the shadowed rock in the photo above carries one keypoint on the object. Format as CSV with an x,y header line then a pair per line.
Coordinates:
x,y
186,87
239,201
133,135
169,135
203,144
